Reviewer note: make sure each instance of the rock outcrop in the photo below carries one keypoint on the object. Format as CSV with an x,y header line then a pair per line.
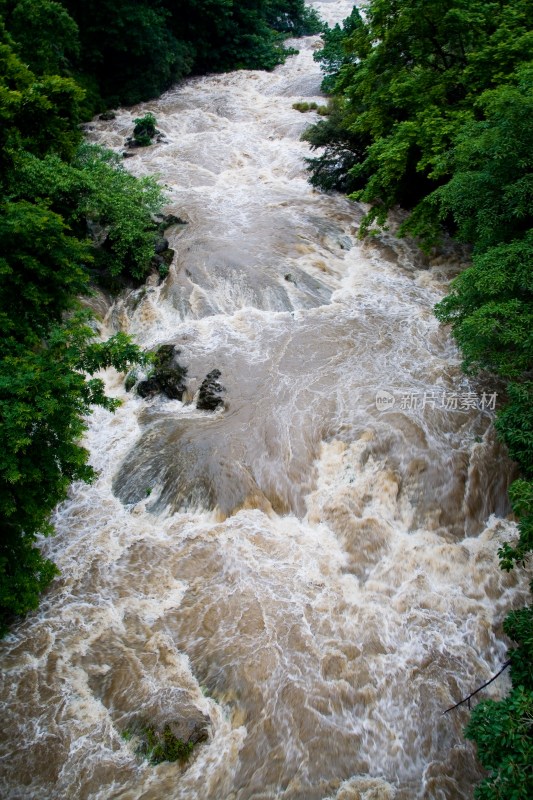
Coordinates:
x,y
168,377
209,397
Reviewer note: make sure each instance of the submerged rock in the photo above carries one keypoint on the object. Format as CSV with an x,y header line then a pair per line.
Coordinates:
x,y
148,388
175,741
161,244
162,259
98,233
209,398
193,730
164,221
168,376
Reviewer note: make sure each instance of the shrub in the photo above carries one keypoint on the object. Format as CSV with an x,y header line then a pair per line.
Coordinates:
x,y
144,130
158,746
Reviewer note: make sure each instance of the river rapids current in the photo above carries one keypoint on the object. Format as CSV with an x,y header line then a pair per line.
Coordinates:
x,y
310,572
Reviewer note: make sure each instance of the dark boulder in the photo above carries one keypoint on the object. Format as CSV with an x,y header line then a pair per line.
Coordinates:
x,y
168,376
171,381
164,221
161,244
209,398
198,731
148,388
107,116
98,233
162,259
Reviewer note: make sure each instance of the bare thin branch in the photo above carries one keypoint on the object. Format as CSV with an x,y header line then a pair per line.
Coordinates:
x,y
467,699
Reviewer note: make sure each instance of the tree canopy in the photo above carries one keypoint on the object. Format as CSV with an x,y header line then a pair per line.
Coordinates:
x,y
125,51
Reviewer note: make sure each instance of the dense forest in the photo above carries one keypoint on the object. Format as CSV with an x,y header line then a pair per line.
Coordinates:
x,y
430,110
60,64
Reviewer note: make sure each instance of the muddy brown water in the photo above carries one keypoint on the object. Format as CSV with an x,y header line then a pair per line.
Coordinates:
x,y
314,573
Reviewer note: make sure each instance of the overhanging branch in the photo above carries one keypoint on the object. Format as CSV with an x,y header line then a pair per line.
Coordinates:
x,y
467,699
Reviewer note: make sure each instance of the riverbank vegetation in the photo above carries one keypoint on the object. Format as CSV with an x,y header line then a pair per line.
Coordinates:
x,y
124,51
71,216
430,110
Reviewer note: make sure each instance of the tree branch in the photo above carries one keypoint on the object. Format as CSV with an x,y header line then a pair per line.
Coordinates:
x,y
467,699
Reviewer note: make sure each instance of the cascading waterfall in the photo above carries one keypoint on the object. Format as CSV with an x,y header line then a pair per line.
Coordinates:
x,y
309,571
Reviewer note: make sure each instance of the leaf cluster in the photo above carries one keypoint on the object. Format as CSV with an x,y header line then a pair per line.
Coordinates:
x,y
52,192
168,748
158,746
144,130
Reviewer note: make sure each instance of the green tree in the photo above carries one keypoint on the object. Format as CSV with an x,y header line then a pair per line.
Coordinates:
x,y
336,52
51,192
128,48
292,17
44,389
407,80
95,193
38,115
46,36
145,130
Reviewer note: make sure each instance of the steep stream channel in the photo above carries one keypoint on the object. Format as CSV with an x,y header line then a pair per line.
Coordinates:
x,y
311,574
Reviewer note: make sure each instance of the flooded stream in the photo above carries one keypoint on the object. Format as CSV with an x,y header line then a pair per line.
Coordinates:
x,y
311,571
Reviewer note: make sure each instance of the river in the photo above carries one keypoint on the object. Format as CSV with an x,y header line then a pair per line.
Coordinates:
x,y
311,571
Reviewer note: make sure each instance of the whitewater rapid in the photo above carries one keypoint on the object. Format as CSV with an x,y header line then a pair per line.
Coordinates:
x,y
310,572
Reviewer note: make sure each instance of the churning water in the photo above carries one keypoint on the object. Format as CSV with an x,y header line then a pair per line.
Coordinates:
x,y
310,573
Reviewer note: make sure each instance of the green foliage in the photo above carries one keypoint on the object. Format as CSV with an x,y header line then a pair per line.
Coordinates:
x,y
490,192
37,115
42,270
45,393
128,48
518,626
336,53
521,495
94,193
24,575
158,746
144,130
407,78
46,36
163,270
342,151
515,425
123,205
48,383
490,309
503,735
292,17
